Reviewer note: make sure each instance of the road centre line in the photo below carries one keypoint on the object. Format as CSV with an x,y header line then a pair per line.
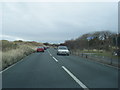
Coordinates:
x,y
49,53
55,59
52,56
75,78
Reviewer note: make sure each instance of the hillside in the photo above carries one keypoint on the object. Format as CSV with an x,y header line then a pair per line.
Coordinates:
x,y
13,51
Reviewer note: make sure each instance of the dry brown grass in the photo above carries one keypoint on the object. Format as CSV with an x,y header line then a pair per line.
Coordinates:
x,y
0,60
13,51
12,56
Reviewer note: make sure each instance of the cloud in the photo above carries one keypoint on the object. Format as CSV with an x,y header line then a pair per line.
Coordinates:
x,y
11,38
0,18
57,21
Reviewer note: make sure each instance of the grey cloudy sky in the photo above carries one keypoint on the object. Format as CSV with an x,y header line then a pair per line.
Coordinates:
x,y
56,22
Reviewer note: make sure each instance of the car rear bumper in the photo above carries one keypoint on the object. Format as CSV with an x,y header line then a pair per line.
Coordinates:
x,y
63,53
40,50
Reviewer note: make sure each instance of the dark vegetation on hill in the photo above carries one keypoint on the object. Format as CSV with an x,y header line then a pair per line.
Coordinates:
x,y
102,40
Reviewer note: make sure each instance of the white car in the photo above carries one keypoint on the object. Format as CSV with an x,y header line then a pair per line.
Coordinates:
x,y
63,50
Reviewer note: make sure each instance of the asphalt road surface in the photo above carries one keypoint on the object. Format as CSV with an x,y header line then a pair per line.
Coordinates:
x,y
49,70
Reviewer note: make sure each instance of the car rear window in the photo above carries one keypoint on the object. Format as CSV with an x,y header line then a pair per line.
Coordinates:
x,y
40,47
62,47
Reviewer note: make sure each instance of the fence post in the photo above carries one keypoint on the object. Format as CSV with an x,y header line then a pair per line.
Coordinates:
x,y
111,61
78,53
86,56
82,54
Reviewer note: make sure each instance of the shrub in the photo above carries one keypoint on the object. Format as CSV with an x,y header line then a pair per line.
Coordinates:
x,y
0,55
12,56
7,45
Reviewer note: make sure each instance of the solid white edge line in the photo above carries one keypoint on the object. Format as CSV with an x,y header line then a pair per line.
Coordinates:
x,y
11,66
55,59
77,80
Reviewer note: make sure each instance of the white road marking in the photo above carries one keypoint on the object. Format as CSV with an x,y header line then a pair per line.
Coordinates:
x,y
52,56
55,59
76,79
11,66
14,64
49,53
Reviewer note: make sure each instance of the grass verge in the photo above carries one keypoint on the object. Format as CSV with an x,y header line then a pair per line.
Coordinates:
x,y
99,56
14,55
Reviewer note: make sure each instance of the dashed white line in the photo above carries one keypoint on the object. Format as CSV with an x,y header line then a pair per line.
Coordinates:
x,y
55,59
49,53
76,79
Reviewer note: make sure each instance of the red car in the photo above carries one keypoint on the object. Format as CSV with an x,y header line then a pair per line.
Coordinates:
x,y
40,49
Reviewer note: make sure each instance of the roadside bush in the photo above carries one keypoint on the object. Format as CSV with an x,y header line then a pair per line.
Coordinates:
x,y
7,45
0,60
12,56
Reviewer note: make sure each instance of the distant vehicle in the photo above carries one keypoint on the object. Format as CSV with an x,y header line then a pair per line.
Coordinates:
x,y
40,49
46,47
55,47
63,50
